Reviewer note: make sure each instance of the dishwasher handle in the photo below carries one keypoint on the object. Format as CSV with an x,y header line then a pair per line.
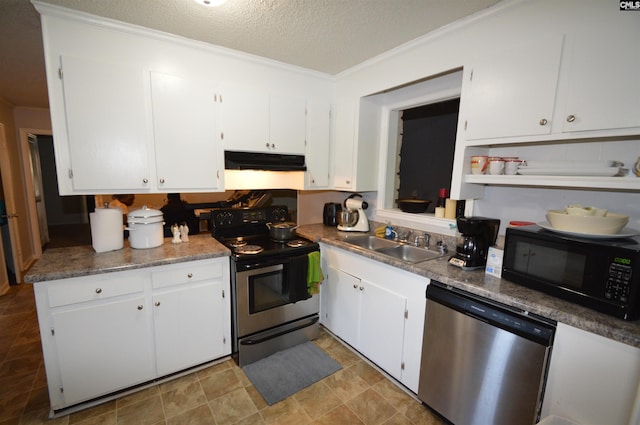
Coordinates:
x,y
503,317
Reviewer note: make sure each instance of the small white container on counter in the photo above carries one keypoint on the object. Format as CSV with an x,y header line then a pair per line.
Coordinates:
x,y
146,228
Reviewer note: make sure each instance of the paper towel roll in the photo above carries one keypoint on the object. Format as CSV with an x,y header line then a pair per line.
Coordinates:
x,y
106,229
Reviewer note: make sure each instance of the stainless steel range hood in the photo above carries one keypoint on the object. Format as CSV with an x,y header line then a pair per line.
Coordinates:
x,y
234,160
254,171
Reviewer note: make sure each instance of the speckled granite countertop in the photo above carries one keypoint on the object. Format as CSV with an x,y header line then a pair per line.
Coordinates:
x,y
500,290
61,263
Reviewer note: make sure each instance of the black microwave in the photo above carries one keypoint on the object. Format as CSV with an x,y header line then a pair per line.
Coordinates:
x,y
599,273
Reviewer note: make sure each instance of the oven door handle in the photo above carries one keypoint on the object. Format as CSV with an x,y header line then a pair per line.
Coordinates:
x,y
312,321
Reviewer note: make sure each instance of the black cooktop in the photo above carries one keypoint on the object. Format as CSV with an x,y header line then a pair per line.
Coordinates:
x,y
245,232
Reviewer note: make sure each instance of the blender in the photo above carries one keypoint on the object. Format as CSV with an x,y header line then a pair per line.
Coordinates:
x,y
353,219
477,235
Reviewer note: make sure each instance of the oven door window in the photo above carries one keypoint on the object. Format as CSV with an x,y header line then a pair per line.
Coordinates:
x,y
268,290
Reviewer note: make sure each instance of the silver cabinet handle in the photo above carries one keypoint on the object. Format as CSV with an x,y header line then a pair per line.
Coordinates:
x,y
161,181
190,275
571,118
140,307
355,286
348,181
273,146
145,181
543,121
362,288
98,290
267,144
157,304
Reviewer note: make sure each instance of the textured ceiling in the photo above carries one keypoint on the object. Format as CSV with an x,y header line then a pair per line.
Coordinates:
x,y
329,36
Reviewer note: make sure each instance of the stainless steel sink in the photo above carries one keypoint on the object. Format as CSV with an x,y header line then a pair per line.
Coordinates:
x,y
411,254
401,251
370,242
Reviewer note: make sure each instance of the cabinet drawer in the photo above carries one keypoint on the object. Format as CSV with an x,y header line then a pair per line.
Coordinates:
x,y
191,272
81,289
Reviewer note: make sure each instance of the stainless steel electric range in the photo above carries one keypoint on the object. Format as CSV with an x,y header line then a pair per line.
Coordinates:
x,y
271,307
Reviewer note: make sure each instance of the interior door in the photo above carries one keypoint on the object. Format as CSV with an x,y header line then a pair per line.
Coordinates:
x,y
4,277
10,231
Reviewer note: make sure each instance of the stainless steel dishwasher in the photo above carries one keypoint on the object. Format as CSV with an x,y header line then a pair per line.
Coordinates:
x,y
482,363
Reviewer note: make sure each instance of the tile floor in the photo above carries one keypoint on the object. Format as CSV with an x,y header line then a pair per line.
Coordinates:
x,y
220,394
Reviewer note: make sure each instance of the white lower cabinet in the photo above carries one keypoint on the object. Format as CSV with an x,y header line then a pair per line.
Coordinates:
x,y
592,380
109,332
101,347
377,309
189,318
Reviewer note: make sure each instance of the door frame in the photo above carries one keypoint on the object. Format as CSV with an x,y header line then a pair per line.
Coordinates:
x,y
10,202
34,227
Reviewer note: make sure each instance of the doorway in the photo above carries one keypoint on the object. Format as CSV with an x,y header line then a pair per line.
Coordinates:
x,y
62,220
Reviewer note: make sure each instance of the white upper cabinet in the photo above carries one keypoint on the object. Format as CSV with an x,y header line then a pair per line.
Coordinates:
x,y
356,154
545,89
287,124
602,90
138,111
185,124
344,158
114,147
254,120
245,118
318,149
106,121
512,91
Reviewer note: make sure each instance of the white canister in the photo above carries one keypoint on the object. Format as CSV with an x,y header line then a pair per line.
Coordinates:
x,y
146,228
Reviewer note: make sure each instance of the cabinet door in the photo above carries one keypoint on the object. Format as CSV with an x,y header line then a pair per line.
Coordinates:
x,y
190,323
382,320
245,118
318,144
287,124
108,136
512,91
102,347
189,153
592,380
603,91
344,157
342,300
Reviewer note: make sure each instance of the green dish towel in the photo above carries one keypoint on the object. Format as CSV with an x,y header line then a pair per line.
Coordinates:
x,y
314,273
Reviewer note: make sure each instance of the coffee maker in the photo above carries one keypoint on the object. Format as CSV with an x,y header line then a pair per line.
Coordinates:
x,y
477,235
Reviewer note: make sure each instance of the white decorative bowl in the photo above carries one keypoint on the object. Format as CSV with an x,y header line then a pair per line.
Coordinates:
x,y
610,224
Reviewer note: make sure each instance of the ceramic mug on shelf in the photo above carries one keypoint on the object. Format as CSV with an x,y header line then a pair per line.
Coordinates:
x,y
479,164
496,165
511,165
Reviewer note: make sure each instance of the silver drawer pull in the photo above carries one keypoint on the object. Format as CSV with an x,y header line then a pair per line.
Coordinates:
x,y
140,307
157,304
190,275
98,290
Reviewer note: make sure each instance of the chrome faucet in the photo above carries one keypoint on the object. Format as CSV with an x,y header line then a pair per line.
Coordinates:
x,y
403,236
442,247
422,240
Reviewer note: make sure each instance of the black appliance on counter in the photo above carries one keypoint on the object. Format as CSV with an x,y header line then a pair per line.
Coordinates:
x,y
330,213
599,273
482,362
271,307
477,235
